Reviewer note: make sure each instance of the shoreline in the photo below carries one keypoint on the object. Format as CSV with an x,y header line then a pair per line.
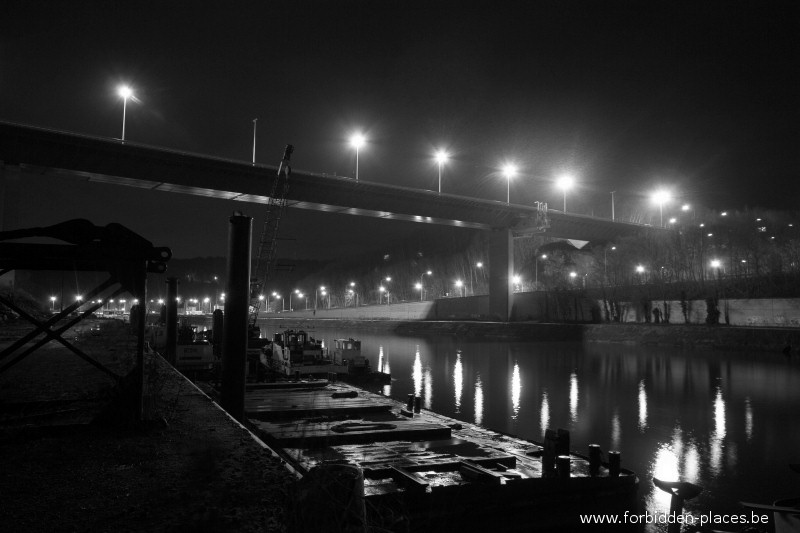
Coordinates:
x,y
719,337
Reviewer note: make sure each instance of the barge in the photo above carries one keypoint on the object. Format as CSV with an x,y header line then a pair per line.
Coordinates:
x,y
414,470
295,353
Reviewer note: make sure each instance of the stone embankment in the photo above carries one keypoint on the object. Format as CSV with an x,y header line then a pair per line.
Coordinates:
x,y
678,335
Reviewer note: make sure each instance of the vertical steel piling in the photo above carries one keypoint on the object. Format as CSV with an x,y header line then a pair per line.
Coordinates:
x,y
237,313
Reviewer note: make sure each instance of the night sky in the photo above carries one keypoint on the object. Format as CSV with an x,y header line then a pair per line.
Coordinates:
x,y
698,97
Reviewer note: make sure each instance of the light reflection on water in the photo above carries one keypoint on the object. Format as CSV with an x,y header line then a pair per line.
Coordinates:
x,y
642,407
516,391
458,381
573,397
712,418
478,399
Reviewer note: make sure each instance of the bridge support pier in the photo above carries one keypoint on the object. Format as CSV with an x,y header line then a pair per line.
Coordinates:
x,y
501,271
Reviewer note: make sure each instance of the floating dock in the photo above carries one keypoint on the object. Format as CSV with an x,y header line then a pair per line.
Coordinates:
x,y
426,472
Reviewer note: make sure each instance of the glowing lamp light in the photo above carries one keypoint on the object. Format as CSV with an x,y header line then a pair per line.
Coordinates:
x,y
565,182
357,140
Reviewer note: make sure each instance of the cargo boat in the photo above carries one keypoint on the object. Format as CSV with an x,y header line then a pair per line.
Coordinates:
x,y
419,471
294,353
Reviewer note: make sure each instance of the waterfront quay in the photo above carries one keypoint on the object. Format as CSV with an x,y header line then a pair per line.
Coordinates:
x,y
715,418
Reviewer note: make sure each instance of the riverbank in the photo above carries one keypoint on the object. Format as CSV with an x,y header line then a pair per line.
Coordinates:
x,y
682,336
72,458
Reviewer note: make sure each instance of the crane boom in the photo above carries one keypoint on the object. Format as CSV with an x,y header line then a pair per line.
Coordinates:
x,y
268,242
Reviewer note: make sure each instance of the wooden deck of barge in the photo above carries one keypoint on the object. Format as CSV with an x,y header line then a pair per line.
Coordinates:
x,y
427,472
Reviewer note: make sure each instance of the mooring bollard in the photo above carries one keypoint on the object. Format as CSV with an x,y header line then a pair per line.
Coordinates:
x,y
594,459
614,462
563,465
410,403
417,404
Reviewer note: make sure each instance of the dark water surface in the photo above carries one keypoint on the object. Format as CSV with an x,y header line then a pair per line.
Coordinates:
x,y
726,421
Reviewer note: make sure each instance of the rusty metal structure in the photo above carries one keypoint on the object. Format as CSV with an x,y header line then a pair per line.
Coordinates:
x,y
125,256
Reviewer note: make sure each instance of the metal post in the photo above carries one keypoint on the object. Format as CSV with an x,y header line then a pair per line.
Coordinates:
x,y
254,140
237,303
612,205
140,284
172,320
124,113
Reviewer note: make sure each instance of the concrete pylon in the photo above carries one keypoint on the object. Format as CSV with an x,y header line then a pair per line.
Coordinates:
x,y
501,271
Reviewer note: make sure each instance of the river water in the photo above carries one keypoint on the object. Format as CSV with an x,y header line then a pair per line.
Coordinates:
x,y
725,421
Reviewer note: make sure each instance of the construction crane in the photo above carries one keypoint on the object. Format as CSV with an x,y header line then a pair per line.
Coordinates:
x,y
267,244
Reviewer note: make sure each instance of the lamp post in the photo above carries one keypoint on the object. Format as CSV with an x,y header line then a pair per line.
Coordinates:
x,y
612,206
254,140
509,171
536,270
565,183
388,279
640,271
381,290
460,287
125,92
322,288
357,141
353,292
421,285
660,197
441,158
716,264
517,281
53,304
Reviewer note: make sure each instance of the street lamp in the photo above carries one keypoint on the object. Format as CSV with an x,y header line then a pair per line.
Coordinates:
x,y
517,281
460,286
125,92
275,295
322,288
509,171
382,289
388,280
420,285
357,140
353,296
661,197
53,304
536,269
565,183
640,271
441,158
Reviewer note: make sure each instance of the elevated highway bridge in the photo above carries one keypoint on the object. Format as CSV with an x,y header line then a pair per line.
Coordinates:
x,y
26,150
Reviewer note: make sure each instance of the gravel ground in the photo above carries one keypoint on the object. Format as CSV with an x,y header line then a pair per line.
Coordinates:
x,y
188,467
